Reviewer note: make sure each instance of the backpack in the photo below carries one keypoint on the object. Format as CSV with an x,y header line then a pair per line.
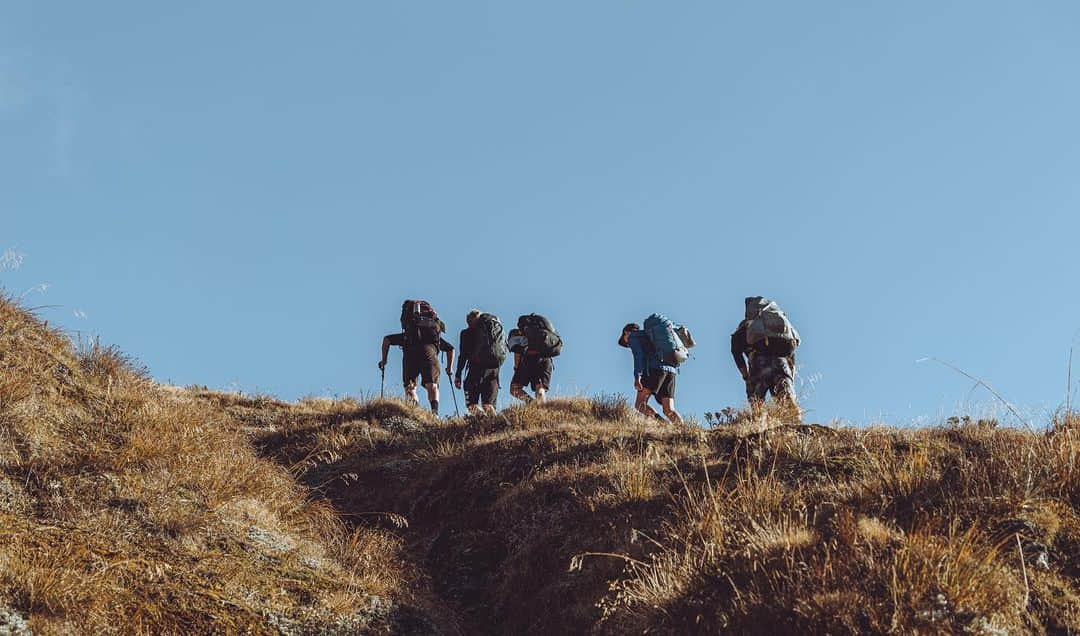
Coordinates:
x,y
768,327
516,342
684,334
489,349
542,337
663,334
420,323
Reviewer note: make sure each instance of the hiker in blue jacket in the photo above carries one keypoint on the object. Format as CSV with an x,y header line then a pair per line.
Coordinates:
x,y
652,378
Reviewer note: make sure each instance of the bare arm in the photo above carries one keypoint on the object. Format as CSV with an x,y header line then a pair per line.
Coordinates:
x,y
385,351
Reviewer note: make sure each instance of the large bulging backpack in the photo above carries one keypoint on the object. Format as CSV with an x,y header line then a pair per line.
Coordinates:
x,y
664,336
768,326
489,348
516,342
541,334
420,323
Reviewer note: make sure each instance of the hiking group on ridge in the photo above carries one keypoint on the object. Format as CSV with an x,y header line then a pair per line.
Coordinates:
x,y
763,347
482,350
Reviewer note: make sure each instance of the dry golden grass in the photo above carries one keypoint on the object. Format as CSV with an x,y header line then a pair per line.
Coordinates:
x,y
130,507
581,516
126,507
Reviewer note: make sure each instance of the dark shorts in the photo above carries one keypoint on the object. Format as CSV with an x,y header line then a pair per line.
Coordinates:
x,y
660,383
534,371
481,386
423,361
769,374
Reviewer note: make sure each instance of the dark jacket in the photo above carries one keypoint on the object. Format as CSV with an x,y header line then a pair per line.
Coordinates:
x,y
465,347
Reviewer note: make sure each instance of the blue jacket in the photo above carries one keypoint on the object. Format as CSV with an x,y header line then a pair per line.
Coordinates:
x,y
646,359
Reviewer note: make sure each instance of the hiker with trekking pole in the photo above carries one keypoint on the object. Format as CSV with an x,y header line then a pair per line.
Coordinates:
x,y
421,341
483,351
659,346
768,340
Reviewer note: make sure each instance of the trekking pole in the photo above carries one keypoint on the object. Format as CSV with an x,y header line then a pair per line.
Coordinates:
x,y
457,413
382,387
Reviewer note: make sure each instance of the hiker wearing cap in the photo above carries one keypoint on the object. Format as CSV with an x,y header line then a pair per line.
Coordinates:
x,y
655,374
767,340
483,351
534,343
421,341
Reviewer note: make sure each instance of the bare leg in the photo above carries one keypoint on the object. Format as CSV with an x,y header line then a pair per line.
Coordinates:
x,y
641,403
668,405
433,396
519,393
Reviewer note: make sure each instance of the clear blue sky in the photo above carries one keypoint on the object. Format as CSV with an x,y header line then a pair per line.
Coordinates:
x,y
241,193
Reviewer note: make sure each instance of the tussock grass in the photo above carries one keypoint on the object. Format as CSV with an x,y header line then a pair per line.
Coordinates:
x,y
127,507
580,515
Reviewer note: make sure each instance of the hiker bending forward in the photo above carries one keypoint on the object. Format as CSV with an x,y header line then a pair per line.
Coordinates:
x,y
652,377
534,343
481,348
768,341
419,360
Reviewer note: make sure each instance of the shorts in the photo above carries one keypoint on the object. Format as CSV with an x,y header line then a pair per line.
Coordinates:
x,y
423,361
481,385
660,383
769,374
533,371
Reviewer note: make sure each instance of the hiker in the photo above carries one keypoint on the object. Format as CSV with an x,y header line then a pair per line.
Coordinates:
x,y
534,343
659,348
768,340
483,350
421,341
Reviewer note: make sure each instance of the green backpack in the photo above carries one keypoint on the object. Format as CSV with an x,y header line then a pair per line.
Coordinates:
x,y
489,348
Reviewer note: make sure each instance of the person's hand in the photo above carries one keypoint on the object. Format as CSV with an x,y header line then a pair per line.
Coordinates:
x,y
382,365
449,372
457,381
637,383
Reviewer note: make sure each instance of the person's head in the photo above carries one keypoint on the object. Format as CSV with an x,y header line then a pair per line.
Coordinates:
x,y
471,317
630,328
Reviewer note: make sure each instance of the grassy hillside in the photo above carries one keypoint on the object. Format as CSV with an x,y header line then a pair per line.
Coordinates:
x,y
129,507
581,516
126,506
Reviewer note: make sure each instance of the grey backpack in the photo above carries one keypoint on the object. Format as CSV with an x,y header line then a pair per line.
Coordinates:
x,y
768,325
